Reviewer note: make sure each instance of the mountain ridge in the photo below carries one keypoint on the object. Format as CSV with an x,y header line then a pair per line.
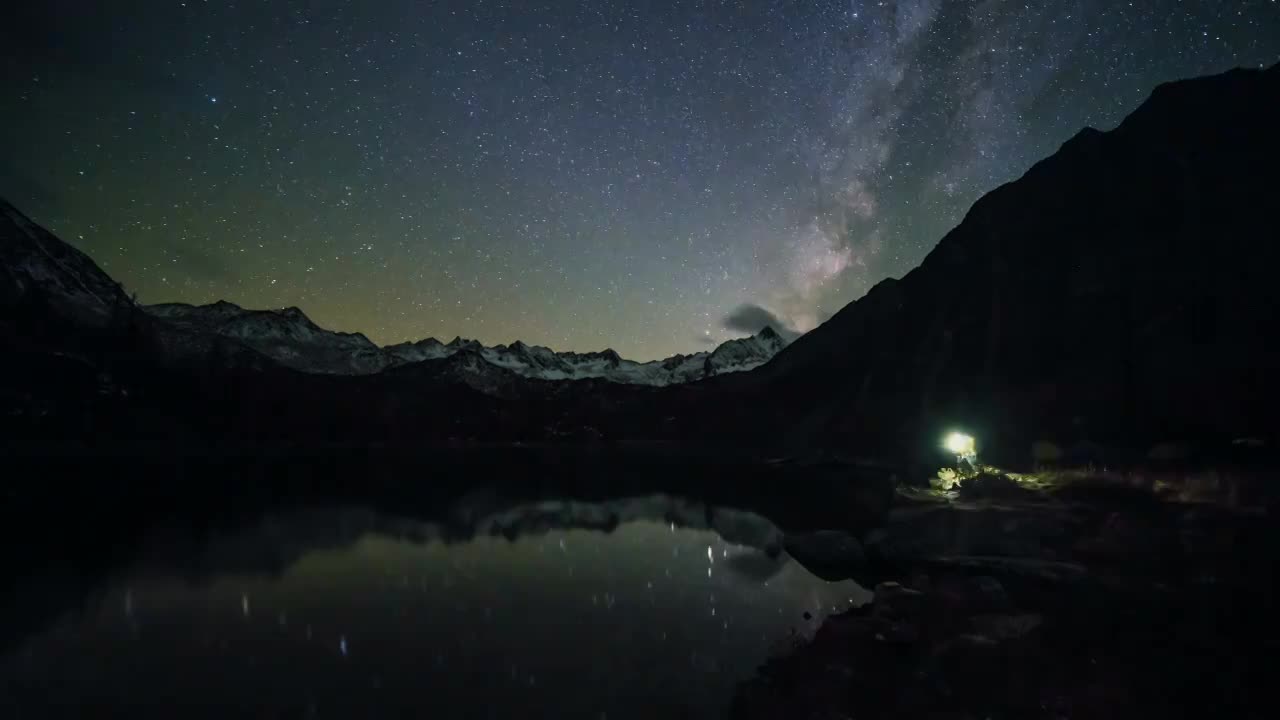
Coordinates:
x,y
289,336
1120,293
1117,290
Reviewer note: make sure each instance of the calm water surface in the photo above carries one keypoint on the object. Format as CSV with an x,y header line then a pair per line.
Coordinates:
x,y
352,614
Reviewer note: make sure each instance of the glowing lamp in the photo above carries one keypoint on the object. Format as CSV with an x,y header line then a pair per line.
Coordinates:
x,y
960,444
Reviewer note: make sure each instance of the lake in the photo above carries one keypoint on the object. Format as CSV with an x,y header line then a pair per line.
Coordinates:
x,y
636,608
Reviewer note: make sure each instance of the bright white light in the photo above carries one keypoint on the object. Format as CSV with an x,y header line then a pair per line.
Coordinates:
x,y
960,444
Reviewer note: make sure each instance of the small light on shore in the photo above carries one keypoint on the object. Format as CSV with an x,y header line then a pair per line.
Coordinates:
x,y
962,445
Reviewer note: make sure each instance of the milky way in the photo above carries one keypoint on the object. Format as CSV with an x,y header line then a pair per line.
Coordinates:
x,y
654,177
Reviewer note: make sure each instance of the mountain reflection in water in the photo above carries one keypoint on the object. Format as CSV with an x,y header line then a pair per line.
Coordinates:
x,y
342,614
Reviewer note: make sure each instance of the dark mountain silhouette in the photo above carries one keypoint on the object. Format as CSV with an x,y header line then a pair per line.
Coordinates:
x,y
293,340
1119,293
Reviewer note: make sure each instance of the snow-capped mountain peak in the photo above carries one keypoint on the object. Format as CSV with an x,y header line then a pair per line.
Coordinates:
x,y
287,335
39,268
746,353
292,339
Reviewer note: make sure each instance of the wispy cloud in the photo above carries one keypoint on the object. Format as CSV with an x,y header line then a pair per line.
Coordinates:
x,y
752,319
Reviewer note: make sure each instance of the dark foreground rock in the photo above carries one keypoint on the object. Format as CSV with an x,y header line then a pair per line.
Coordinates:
x,y
1047,602
962,649
829,554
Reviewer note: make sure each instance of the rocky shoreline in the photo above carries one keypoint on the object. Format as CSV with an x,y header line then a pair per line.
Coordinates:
x,y
1027,597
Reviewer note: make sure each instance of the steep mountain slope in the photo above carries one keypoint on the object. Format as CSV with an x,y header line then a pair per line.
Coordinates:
x,y
287,335
55,298
745,353
1121,291
40,274
293,340
83,369
37,268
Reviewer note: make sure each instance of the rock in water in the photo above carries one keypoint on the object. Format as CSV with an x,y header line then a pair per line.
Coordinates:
x,y
895,600
829,554
1005,627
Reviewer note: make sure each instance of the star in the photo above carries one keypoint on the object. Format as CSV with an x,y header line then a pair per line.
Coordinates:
x,y
578,176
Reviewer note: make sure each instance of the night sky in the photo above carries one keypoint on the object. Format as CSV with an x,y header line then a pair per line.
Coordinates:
x,y
648,176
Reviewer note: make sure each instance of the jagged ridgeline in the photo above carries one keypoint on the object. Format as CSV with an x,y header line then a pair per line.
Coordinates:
x,y
1119,292
41,270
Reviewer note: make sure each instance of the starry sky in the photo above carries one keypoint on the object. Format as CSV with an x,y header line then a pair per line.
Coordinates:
x,y
655,177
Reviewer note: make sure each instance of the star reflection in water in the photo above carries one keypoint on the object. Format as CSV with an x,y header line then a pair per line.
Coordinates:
x,y
631,622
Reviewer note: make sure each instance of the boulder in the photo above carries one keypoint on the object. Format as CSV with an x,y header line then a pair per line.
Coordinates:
x,y
980,594
993,486
830,554
1045,571
895,600
746,528
965,670
913,535
1005,627
1133,538
756,566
